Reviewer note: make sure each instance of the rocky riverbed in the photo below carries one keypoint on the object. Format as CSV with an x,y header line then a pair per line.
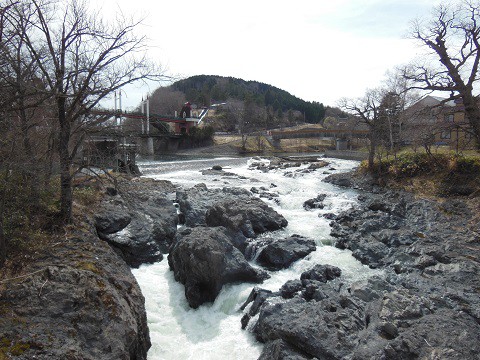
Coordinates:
x,y
80,300
425,307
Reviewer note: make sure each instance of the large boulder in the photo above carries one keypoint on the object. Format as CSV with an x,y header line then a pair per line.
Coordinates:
x,y
280,254
322,273
235,208
314,328
140,230
250,215
205,259
194,202
315,203
79,301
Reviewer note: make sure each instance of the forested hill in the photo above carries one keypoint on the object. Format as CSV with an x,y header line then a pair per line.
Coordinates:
x,y
205,90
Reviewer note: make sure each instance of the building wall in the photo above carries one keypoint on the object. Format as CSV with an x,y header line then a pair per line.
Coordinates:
x,y
429,120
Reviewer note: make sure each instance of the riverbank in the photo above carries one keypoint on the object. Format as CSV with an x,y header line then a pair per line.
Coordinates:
x,y
425,306
228,149
69,295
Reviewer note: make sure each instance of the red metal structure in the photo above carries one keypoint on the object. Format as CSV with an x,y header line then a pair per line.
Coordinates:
x,y
182,125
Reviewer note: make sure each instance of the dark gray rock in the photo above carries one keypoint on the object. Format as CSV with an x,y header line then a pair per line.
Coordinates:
x,y
204,259
79,301
342,180
371,289
250,215
311,326
280,254
290,288
195,202
329,216
257,297
113,218
309,288
281,350
264,193
322,273
218,172
315,203
318,165
140,229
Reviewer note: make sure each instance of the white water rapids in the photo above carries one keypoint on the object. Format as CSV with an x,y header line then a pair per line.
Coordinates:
x,y
213,331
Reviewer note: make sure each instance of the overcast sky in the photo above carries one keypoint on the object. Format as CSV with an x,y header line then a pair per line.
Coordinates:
x,y
317,50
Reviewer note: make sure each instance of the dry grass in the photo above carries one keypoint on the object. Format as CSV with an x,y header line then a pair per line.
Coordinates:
x,y
442,174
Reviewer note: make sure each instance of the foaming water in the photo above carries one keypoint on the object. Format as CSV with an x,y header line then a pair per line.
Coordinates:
x,y
213,331
179,332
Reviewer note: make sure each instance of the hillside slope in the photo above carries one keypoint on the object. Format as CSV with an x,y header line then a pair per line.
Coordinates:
x,y
207,89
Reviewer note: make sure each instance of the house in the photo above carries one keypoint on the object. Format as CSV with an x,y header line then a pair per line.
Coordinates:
x,y
439,121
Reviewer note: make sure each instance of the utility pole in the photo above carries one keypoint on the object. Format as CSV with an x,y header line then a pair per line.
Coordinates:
x,y
142,105
148,115
146,129
119,122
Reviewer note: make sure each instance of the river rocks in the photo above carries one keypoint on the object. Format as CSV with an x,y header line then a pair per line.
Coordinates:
x,y
423,303
264,193
280,254
279,350
385,231
315,203
342,180
217,170
139,230
273,163
112,219
318,165
195,201
78,300
204,259
250,215
311,327
322,273
373,319
290,288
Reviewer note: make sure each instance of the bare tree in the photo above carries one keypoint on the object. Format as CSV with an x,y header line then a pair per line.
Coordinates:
x,y
453,38
81,60
367,109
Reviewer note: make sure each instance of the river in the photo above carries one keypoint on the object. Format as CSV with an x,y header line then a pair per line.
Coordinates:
x,y
214,331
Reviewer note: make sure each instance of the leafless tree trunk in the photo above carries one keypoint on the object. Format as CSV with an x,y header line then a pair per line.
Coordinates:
x,y
81,60
367,109
454,36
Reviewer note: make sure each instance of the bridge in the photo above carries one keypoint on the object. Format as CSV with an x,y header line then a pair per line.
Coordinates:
x,y
108,146
340,137
324,133
181,125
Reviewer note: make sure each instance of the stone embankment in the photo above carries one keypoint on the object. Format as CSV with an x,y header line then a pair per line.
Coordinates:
x,y
426,305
